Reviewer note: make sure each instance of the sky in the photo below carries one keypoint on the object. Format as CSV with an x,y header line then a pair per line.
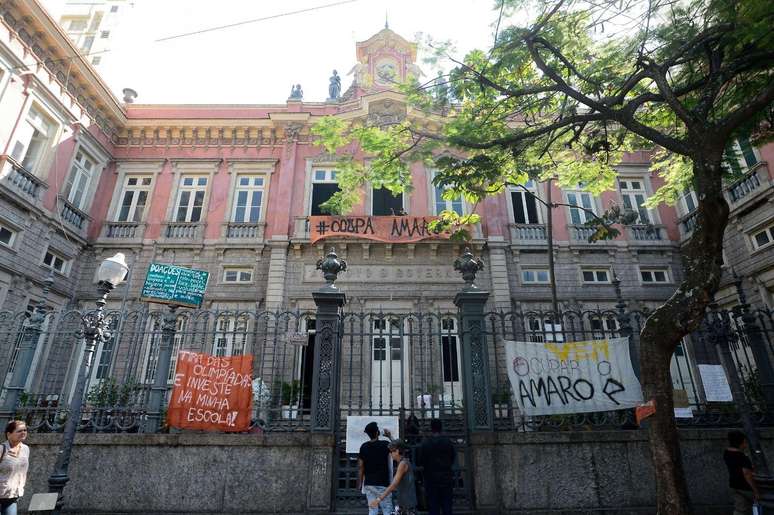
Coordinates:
x,y
257,63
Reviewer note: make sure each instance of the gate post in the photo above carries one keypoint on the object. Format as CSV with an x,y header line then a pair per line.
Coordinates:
x,y
475,359
27,346
159,389
325,378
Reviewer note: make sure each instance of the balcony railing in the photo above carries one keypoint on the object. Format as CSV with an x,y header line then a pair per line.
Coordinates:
x,y
535,233
245,230
23,181
752,182
581,233
646,232
73,215
183,230
123,230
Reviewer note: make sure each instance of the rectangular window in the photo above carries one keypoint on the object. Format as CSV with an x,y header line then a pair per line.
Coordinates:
x,y
634,196
763,238
7,236
104,34
535,275
688,202
33,140
603,327
450,351
384,203
55,262
134,197
585,202
441,204
524,205
237,275
595,275
324,185
88,41
654,275
230,336
740,155
96,60
248,199
77,25
80,177
113,8
190,200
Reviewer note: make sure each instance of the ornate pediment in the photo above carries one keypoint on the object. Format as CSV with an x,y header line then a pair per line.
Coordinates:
x,y
382,113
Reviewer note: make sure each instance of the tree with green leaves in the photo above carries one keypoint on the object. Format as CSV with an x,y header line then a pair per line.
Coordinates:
x,y
563,97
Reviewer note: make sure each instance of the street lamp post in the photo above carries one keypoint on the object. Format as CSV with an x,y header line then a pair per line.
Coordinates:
x,y
111,272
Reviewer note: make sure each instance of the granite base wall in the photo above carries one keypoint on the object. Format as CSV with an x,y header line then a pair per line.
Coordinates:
x,y
584,473
190,473
567,473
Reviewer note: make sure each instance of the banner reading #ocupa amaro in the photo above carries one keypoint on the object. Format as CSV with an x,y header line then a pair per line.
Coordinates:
x,y
550,378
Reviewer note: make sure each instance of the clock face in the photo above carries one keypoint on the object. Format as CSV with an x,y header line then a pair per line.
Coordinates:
x,y
386,71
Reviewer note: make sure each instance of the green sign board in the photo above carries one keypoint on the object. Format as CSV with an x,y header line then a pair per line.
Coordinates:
x,y
169,284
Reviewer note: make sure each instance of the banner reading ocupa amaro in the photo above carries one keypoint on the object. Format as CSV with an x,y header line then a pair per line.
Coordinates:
x,y
575,377
211,393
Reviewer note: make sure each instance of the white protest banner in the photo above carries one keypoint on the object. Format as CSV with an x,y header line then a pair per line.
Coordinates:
x,y
551,378
356,430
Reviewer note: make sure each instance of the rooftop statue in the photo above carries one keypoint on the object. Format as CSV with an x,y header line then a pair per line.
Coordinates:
x,y
334,88
296,93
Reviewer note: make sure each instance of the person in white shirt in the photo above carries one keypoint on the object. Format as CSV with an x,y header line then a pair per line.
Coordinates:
x,y
14,462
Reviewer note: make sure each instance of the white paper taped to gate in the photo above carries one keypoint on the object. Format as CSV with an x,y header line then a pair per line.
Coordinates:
x,y
356,429
550,378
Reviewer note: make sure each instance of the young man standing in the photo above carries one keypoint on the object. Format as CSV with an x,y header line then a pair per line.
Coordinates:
x,y
740,473
374,473
437,456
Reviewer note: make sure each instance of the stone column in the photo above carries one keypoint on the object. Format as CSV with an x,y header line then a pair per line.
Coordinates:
x,y
475,358
278,261
158,392
325,379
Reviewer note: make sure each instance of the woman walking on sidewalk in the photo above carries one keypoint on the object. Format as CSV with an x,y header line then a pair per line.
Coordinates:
x,y
14,462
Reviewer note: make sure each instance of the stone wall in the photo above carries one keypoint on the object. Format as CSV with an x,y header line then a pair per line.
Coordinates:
x,y
190,473
580,473
568,473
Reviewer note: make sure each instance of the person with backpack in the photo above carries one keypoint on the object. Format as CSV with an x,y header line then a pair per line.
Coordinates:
x,y
14,462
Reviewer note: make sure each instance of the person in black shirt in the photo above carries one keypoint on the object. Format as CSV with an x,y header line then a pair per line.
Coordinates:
x,y
740,473
437,456
374,472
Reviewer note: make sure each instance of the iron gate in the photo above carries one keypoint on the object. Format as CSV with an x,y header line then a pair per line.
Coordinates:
x,y
404,365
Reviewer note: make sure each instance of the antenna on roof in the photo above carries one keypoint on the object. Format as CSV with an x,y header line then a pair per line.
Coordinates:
x,y
386,20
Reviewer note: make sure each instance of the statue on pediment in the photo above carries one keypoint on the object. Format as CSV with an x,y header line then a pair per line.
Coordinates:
x,y
334,88
296,93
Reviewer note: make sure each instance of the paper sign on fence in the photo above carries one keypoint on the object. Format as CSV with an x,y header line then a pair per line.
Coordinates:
x,y
211,393
356,430
716,387
575,377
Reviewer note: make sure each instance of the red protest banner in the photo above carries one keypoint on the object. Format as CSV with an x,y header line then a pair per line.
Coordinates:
x,y
211,393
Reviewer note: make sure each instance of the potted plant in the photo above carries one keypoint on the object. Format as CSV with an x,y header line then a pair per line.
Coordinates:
x,y
290,398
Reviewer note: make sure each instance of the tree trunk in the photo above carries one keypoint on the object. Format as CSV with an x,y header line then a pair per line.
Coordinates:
x,y
666,326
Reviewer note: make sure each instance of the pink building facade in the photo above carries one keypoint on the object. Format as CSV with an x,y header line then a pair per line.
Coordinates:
x,y
229,189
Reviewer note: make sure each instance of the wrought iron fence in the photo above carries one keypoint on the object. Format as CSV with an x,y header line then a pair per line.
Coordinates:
x,y
406,364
